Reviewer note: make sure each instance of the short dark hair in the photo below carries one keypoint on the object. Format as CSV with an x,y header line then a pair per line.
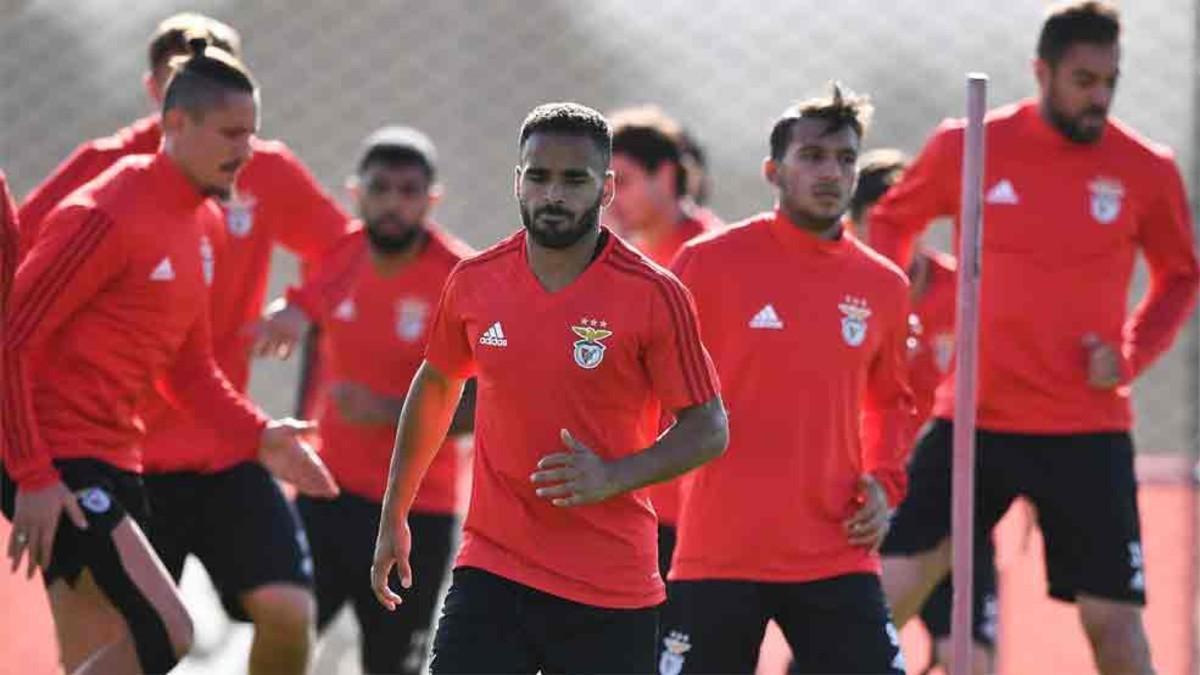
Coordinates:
x,y
201,81
878,170
1090,21
399,146
650,137
171,36
842,108
572,119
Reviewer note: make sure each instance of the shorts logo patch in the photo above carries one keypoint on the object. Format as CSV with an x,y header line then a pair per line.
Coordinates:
x,y
589,351
1137,582
855,313
95,500
676,645
990,620
894,639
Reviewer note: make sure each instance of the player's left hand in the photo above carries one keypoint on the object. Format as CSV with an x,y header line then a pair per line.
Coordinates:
x,y
869,525
576,477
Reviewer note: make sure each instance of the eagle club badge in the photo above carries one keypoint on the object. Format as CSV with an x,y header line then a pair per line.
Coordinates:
x,y
676,646
1106,194
410,318
589,351
239,214
854,319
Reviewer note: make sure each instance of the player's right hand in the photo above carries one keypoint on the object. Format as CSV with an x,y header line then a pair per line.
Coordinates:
x,y
286,453
279,330
35,522
392,545
1103,362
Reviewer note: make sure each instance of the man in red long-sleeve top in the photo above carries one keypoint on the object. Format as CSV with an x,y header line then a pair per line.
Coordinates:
x,y
110,303
809,345
1070,198
226,512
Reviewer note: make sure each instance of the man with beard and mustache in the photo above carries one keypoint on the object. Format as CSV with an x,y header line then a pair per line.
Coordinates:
x,y
373,301
1070,199
810,348
578,344
112,302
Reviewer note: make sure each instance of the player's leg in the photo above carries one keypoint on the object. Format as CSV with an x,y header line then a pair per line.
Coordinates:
x,y
579,638
398,642
1086,495
712,626
985,615
838,625
254,548
483,626
326,522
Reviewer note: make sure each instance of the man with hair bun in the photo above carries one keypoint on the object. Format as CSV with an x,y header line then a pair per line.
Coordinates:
x,y
111,303
809,345
231,516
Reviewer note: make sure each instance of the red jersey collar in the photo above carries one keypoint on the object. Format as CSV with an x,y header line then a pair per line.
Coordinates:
x,y
172,184
799,239
1030,113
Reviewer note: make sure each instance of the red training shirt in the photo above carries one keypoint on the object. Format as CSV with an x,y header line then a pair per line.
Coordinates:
x,y
112,297
373,332
810,347
1063,223
601,358
931,353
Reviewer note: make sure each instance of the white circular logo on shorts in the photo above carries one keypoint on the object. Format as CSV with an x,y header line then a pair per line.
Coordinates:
x,y
95,500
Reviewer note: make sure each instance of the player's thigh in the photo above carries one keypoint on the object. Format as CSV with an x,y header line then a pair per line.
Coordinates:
x,y
935,613
250,536
482,626
1086,499
337,533
839,625
582,638
173,517
711,626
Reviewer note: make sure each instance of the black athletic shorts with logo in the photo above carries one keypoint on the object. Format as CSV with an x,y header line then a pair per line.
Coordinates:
x,y
342,534
836,625
237,522
985,612
491,624
1082,486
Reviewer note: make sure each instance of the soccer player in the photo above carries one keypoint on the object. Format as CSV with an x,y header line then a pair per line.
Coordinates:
x,y
933,291
578,344
651,208
1070,198
232,516
111,302
9,236
808,342
374,303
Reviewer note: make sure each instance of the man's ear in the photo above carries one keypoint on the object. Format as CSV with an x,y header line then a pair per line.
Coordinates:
x,y
609,189
770,170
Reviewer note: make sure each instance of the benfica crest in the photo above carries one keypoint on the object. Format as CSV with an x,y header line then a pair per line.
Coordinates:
x,y
207,262
410,318
676,646
589,351
854,319
239,214
1106,199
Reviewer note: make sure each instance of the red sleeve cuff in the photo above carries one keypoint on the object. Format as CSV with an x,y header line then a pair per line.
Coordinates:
x,y
301,297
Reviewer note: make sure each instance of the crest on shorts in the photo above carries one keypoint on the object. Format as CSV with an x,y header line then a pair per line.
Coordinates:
x,y
1106,194
239,214
855,313
589,351
410,318
94,499
675,646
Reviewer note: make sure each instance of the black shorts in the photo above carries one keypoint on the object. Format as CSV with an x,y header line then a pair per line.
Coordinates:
x,y
490,624
666,548
837,625
1082,486
237,522
106,493
985,612
342,534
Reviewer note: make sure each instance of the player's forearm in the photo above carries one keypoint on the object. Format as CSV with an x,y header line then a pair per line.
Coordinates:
x,y
1159,317
205,391
424,421
25,458
700,434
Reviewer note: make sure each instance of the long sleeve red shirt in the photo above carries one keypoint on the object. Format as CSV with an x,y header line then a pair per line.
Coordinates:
x,y
111,299
931,350
1063,223
9,244
277,202
809,345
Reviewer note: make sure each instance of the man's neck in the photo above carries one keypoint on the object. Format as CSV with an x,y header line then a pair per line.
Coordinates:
x,y
820,230
663,226
556,268
390,263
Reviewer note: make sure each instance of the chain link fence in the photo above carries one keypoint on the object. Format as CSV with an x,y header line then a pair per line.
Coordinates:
x,y
466,72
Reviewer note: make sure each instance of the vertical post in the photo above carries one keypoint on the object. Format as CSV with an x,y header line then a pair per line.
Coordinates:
x,y
967,332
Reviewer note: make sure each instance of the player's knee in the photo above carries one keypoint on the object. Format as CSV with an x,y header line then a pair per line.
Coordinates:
x,y
286,611
1115,631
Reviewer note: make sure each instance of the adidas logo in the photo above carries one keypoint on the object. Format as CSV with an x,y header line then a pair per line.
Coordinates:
x,y
494,336
1003,193
345,311
766,318
163,272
